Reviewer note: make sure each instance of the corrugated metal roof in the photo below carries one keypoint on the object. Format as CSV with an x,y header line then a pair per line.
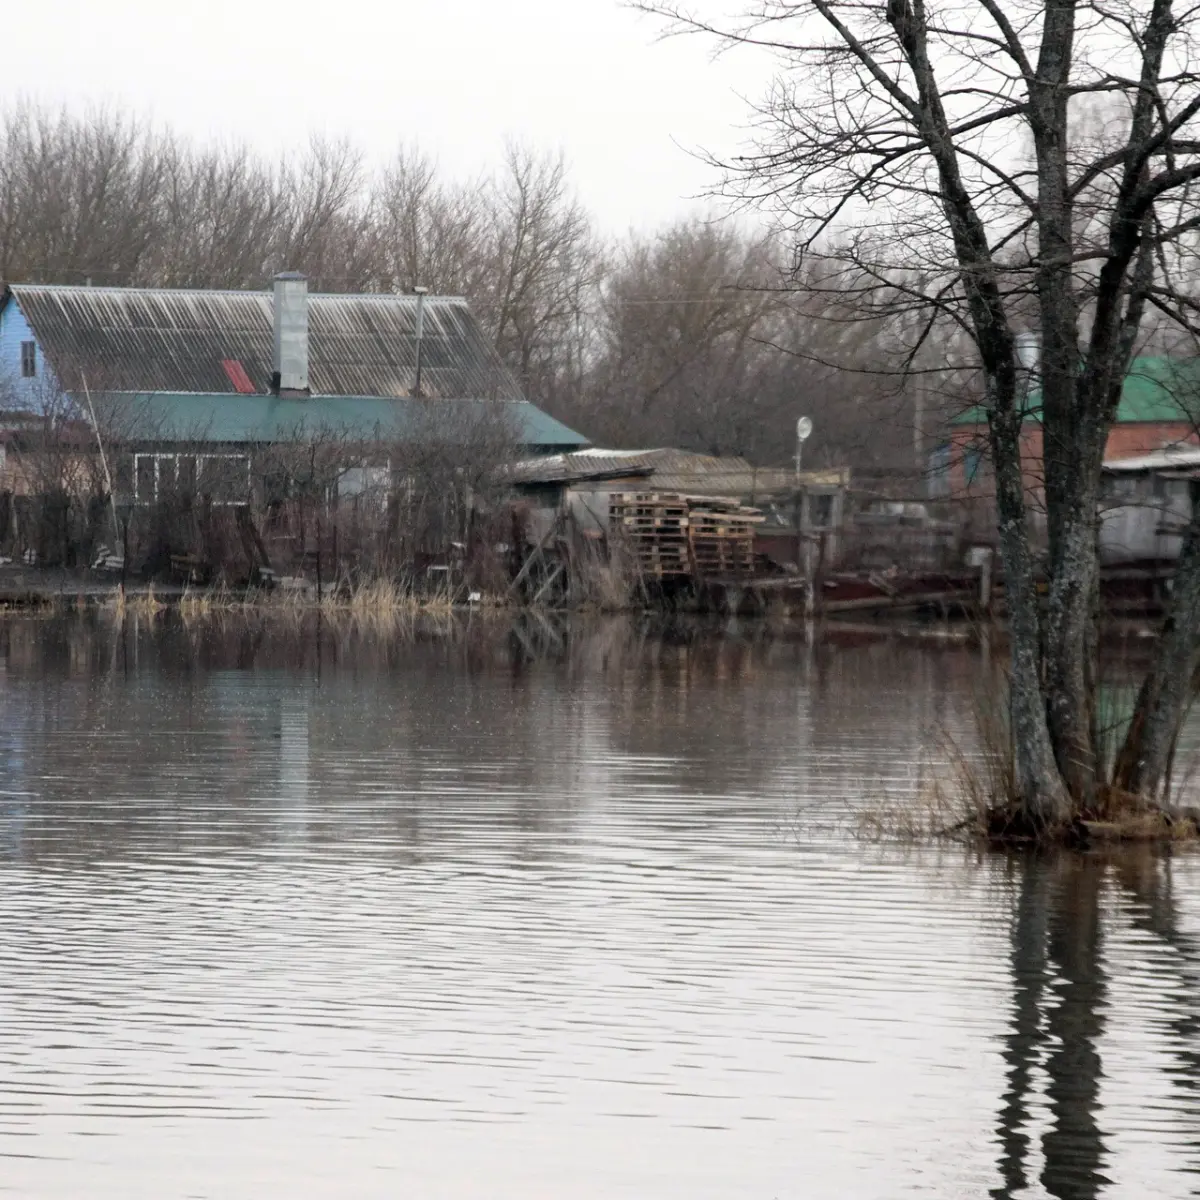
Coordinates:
x,y
160,339
231,418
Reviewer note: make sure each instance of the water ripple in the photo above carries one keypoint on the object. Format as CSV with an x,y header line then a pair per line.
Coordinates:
x,y
450,923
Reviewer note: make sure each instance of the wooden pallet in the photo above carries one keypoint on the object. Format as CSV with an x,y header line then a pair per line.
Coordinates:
x,y
673,535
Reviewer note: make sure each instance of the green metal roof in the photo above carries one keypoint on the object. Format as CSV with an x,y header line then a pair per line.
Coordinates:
x,y
264,419
1156,390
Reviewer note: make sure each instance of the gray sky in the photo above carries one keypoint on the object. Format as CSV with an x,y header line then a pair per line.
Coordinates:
x,y
457,76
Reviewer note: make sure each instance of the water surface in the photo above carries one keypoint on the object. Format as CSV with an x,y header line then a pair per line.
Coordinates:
x,y
551,912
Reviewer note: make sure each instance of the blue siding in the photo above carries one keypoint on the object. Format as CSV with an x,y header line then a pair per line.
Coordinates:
x,y
16,392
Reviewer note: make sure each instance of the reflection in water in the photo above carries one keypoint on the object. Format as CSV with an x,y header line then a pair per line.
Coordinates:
x,y
293,763
1073,1148
1058,1012
1053,1050
507,912
1023,1043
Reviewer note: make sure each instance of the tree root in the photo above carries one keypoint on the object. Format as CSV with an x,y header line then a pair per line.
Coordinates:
x,y
1131,820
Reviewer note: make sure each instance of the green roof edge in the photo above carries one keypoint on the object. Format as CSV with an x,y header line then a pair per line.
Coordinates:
x,y
1146,396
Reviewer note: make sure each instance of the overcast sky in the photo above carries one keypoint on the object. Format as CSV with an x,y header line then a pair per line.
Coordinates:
x,y
457,76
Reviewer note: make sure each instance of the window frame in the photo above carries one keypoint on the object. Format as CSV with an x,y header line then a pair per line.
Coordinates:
x,y
171,460
29,360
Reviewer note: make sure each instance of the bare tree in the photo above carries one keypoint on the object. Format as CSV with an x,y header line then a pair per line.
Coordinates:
x,y
429,233
219,215
78,196
543,264
677,360
892,142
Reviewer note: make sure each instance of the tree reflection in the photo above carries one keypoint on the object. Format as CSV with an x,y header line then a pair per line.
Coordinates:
x,y
1024,1038
1147,879
1058,1017
1074,1146
1059,1007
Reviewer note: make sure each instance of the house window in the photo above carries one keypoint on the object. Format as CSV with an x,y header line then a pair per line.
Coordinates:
x,y
223,478
821,515
1122,488
371,483
28,360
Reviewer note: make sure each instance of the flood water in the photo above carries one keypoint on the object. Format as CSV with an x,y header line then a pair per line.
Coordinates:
x,y
552,912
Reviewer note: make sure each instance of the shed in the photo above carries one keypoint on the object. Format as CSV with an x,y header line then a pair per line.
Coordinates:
x,y
1146,504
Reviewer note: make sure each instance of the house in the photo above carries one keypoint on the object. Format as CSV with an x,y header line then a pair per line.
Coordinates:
x,y
1159,408
1146,504
194,381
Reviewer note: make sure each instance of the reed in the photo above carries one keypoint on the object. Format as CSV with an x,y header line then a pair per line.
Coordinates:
x,y
143,604
958,791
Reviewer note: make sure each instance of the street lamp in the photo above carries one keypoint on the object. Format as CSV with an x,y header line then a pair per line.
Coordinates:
x,y
804,428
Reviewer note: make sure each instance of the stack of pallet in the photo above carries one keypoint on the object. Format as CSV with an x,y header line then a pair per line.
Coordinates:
x,y
673,535
655,526
721,533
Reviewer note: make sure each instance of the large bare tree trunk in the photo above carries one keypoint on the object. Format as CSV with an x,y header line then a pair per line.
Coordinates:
x,y
1071,468
1043,800
1069,670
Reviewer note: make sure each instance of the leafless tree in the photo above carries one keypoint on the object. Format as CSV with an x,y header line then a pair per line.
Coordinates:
x,y
429,232
894,142
78,196
542,265
219,215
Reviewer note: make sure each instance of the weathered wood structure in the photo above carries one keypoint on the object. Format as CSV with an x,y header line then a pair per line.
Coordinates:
x,y
678,536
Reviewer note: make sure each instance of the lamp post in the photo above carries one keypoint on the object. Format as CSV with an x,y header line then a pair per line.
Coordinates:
x,y
804,428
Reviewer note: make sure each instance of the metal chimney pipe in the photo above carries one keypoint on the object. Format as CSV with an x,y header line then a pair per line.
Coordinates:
x,y
1029,351
290,321
420,293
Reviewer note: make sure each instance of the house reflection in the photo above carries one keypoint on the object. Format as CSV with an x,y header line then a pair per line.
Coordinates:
x,y
294,753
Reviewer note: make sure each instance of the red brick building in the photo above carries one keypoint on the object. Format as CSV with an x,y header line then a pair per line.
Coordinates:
x,y
1160,407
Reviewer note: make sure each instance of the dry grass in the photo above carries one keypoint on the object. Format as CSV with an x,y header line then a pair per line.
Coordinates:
x,y
1139,823
386,596
957,791
115,605
142,604
949,803
607,580
198,605
974,797
375,600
